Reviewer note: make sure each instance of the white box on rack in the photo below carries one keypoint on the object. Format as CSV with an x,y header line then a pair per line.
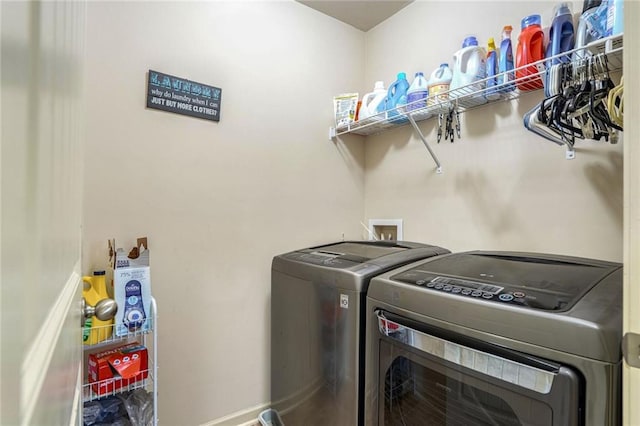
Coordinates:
x,y
132,292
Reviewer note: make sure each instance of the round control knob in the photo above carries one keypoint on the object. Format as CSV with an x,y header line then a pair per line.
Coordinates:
x,y
506,297
420,282
466,292
447,288
476,293
487,295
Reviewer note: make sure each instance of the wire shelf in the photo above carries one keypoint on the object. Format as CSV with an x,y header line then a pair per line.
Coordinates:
x,y
521,81
144,379
110,387
106,335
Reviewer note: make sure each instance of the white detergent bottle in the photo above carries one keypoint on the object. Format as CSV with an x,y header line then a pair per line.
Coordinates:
x,y
417,93
372,100
439,83
469,69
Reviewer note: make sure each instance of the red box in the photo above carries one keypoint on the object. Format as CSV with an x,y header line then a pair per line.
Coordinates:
x,y
117,368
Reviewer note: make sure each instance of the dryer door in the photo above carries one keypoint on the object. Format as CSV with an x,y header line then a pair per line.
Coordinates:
x,y
428,376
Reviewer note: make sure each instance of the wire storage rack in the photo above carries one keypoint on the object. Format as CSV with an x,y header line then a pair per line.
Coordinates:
x,y
145,379
525,80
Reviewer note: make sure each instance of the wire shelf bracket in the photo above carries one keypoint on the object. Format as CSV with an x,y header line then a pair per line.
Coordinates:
x,y
426,144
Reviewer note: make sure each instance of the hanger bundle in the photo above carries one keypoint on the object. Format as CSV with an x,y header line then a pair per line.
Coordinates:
x,y
452,124
582,102
615,103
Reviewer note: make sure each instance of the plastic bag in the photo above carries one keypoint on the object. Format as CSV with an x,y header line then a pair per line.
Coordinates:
x,y
139,406
105,410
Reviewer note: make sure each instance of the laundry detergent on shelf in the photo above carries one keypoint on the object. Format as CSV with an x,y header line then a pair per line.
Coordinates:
x,y
505,62
469,70
492,70
372,100
530,50
439,84
94,290
615,17
607,19
417,93
585,33
561,35
396,97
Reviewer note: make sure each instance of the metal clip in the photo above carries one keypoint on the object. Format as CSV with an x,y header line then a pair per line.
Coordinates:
x,y
451,120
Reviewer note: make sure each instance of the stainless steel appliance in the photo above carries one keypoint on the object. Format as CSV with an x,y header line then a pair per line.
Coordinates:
x,y
317,327
495,338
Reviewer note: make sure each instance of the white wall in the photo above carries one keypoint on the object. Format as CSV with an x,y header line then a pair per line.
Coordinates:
x,y
218,200
502,187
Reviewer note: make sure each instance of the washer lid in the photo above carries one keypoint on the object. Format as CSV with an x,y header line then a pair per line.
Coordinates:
x,y
359,252
545,281
362,257
351,254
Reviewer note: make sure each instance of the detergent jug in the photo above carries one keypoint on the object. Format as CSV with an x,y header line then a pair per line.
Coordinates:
x,y
530,50
607,19
95,289
439,83
561,36
615,17
492,69
585,33
469,70
417,93
396,97
372,100
505,62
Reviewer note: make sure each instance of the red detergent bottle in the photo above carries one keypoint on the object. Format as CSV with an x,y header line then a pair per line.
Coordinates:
x,y
530,49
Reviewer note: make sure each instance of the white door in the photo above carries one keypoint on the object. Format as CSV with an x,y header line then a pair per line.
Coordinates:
x,y
631,390
40,196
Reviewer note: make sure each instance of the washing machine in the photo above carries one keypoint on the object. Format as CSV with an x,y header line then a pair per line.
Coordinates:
x,y
317,327
495,338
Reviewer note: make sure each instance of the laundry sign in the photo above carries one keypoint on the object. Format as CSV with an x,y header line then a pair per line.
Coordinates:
x,y
181,96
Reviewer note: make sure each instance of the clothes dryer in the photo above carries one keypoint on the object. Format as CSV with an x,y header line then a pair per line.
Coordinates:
x,y
495,338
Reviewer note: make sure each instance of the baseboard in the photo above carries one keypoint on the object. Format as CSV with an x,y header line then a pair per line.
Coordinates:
x,y
247,417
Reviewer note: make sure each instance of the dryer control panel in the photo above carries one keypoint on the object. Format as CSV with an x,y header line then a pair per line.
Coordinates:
x,y
501,293
531,280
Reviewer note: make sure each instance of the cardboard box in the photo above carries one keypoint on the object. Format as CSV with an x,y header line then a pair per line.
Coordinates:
x,y
116,368
132,290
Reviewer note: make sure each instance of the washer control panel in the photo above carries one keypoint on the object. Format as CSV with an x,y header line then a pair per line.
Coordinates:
x,y
500,293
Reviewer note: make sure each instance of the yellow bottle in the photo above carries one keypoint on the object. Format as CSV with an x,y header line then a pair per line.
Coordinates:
x,y
95,289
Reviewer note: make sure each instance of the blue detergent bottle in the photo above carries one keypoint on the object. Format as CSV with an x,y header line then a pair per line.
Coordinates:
x,y
585,33
505,62
492,69
396,96
615,17
561,34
